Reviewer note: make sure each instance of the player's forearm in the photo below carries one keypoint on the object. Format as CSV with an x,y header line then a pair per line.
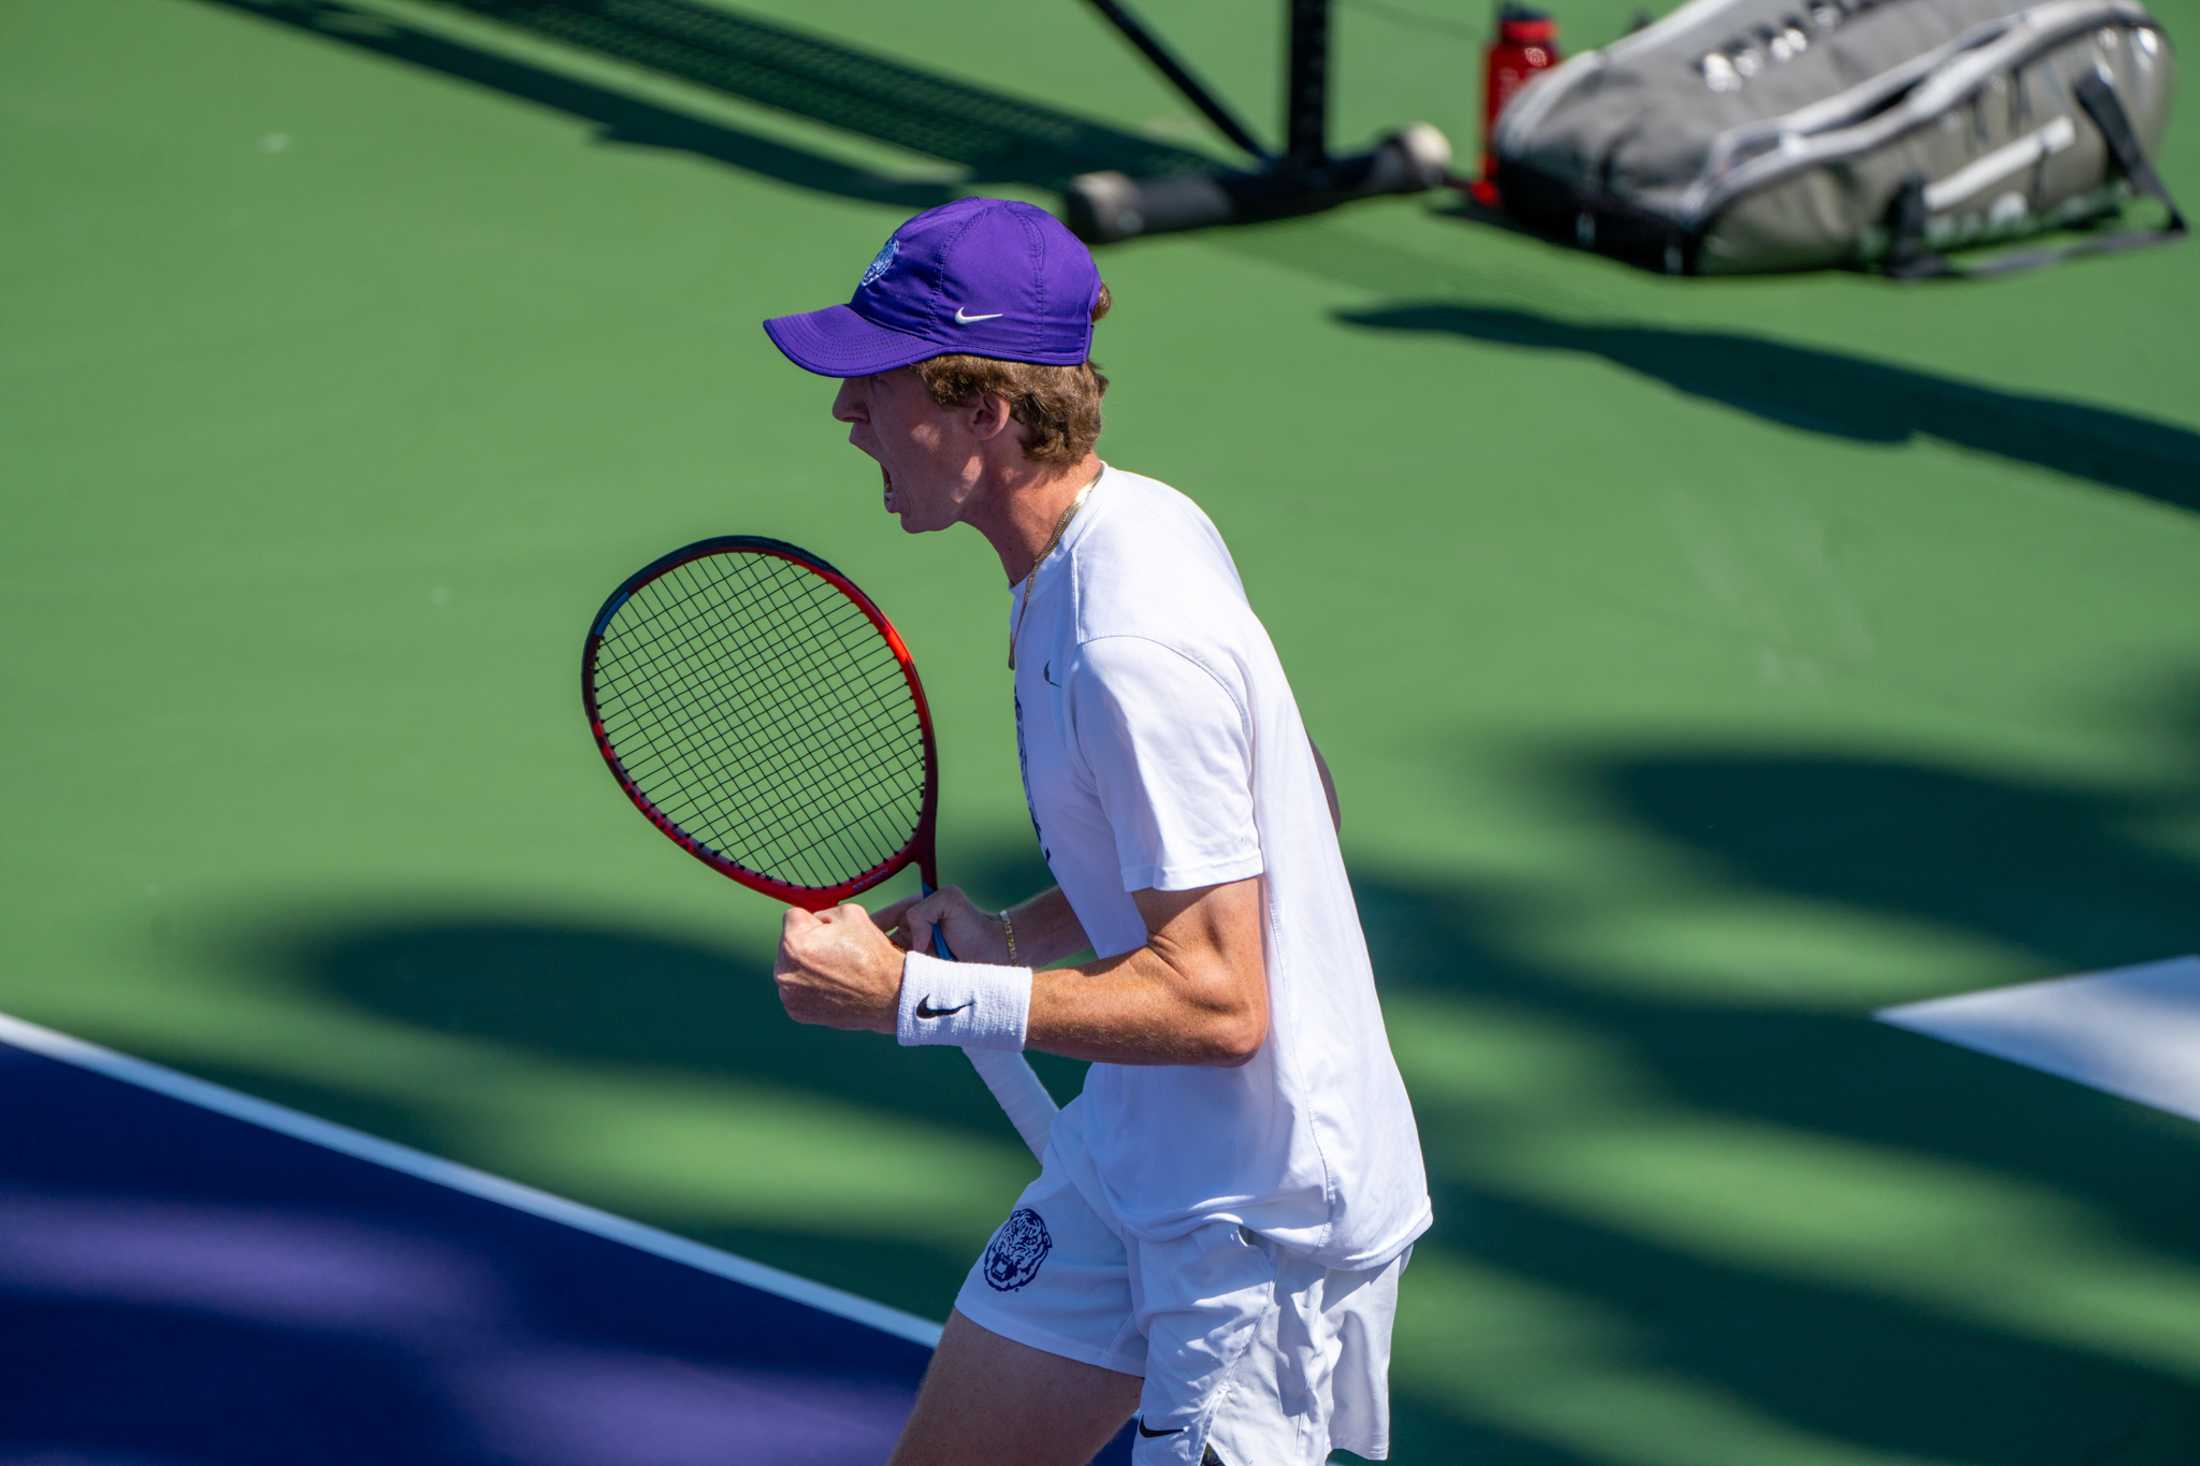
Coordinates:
x,y
1195,993
1047,929
1151,1006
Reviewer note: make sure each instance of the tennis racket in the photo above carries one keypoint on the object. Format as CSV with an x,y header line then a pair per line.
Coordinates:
x,y
765,715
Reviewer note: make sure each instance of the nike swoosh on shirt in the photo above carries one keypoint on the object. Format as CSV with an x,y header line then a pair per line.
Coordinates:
x,y
926,1010
964,317
1153,1434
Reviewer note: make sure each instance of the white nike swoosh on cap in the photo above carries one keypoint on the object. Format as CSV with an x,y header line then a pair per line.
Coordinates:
x,y
964,318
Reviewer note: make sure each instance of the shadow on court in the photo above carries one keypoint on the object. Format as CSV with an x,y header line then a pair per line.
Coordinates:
x,y
1883,1346
994,137
1684,1254
637,1007
180,1287
1852,397
1683,1268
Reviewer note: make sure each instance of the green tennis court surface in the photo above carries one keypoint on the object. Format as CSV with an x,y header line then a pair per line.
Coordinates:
x,y
1705,667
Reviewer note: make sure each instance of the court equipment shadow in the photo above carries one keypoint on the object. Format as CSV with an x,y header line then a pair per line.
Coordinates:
x,y
993,136
1705,1144
621,1001
1725,1164
2054,872
696,1022
1820,391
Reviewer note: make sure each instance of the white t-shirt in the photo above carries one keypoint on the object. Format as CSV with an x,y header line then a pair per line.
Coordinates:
x,y
1162,749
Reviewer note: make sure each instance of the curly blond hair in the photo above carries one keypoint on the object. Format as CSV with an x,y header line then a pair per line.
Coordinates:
x,y
1058,406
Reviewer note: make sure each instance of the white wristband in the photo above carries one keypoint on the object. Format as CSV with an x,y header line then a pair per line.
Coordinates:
x,y
972,1005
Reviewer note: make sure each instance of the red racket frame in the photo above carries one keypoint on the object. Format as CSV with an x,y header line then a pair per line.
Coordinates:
x,y
921,849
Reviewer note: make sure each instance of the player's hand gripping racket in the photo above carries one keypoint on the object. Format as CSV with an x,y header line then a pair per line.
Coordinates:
x,y
764,713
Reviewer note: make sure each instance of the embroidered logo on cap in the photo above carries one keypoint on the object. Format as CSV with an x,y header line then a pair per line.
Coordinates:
x,y
880,262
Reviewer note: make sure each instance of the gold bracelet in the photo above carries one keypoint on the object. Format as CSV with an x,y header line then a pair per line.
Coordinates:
x,y
1008,931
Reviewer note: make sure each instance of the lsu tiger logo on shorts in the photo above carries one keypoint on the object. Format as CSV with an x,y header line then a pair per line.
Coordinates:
x,y
1012,1259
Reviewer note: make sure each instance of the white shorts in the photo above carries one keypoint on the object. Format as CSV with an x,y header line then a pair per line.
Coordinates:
x,y
1273,1359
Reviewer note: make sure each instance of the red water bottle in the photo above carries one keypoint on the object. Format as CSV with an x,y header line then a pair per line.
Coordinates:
x,y
1526,43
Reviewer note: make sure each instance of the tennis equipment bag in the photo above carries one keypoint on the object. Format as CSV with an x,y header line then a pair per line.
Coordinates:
x,y
1737,136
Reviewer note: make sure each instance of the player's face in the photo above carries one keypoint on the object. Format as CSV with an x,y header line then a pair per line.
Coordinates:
x,y
928,460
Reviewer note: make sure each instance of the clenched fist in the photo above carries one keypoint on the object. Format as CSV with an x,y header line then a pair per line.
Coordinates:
x,y
836,968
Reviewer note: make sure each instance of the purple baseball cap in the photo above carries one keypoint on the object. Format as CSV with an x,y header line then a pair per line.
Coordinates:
x,y
978,277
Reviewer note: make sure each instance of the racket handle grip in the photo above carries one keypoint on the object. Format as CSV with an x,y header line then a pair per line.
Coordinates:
x,y
1015,1084
1021,1096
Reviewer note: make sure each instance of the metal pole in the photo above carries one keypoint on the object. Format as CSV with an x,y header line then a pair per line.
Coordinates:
x,y
1194,92
1306,93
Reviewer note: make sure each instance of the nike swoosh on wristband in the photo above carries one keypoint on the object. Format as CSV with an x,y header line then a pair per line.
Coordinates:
x,y
1153,1434
926,1010
964,317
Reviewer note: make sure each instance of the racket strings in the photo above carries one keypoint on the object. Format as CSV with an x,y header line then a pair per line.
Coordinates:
x,y
768,680
828,753
681,634
759,710
848,653
697,698
860,826
686,731
722,780
806,823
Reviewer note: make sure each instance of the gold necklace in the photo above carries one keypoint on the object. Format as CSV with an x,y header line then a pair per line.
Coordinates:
x,y
1060,525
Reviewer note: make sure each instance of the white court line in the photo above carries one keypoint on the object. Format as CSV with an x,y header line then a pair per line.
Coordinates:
x,y
362,1146
2133,1032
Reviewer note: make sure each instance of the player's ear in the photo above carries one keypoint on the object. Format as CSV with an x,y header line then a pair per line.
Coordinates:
x,y
989,416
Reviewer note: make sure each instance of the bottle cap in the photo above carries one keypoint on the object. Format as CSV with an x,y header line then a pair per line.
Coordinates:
x,y
1523,25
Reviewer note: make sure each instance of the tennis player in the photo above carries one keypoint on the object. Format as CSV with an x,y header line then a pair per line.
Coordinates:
x,y
1215,1240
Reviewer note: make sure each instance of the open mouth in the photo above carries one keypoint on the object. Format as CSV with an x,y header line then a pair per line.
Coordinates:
x,y
885,479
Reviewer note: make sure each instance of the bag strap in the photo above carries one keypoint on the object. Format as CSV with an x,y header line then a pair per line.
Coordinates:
x,y
1909,258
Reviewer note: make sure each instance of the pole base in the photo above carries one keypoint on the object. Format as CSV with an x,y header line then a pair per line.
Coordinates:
x,y
1107,208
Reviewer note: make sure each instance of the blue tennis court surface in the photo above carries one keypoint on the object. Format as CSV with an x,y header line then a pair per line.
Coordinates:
x,y
191,1275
